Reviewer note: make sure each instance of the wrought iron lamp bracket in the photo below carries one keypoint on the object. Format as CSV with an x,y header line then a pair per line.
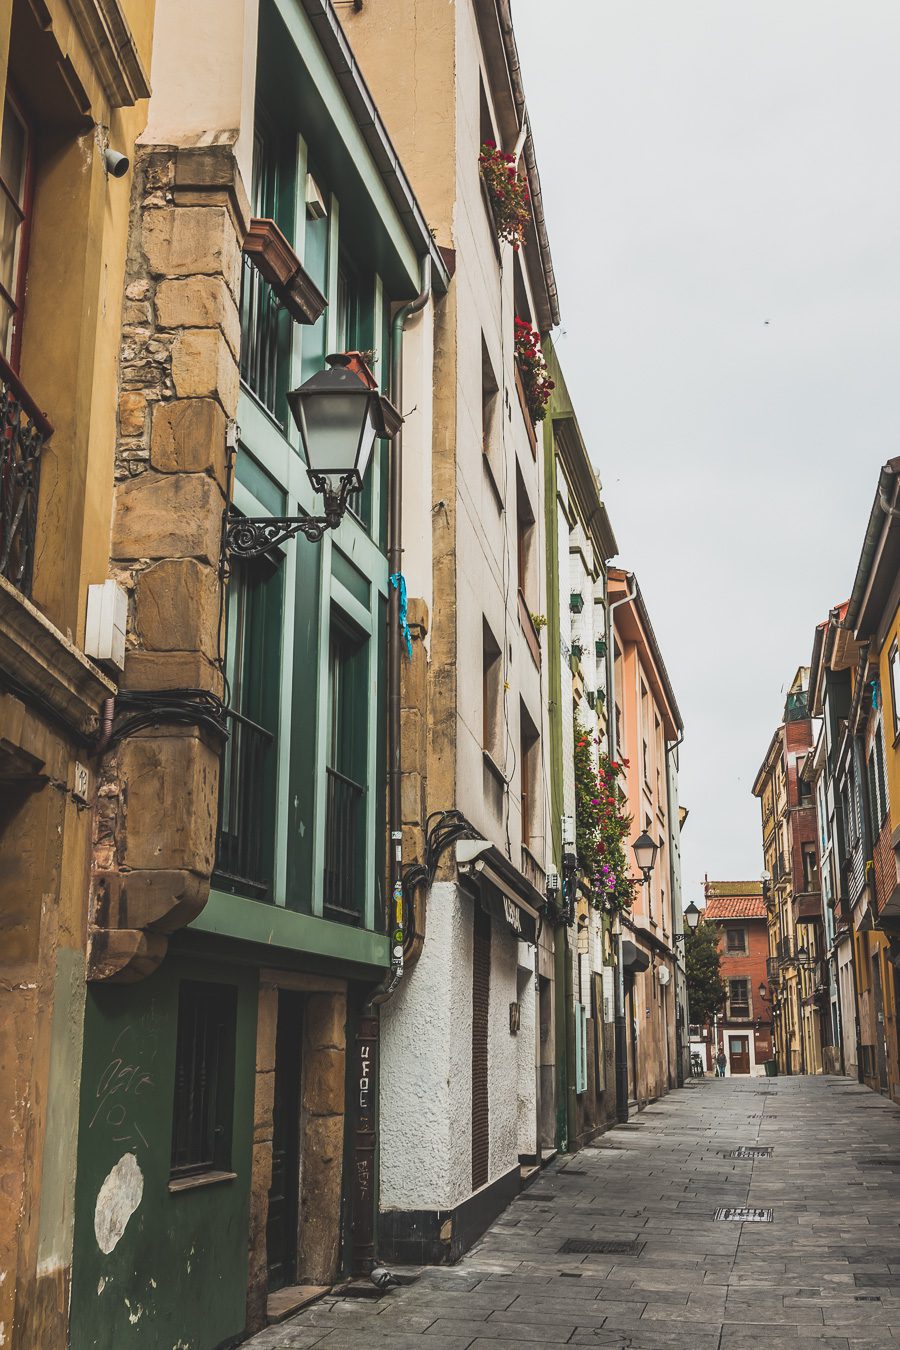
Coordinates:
x,y
252,536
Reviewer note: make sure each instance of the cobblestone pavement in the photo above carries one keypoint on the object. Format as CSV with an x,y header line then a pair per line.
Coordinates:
x,y
824,1273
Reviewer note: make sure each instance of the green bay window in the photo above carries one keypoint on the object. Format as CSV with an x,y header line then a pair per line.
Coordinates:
x,y
247,789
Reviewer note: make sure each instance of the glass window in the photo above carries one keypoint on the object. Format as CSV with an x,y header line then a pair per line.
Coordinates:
x,y
266,329
739,997
529,758
15,188
247,788
345,816
204,1078
736,939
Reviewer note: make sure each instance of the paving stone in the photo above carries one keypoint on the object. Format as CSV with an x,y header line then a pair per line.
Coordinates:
x,y
824,1275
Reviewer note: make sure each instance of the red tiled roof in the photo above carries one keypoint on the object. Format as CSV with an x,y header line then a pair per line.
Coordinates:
x,y
735,907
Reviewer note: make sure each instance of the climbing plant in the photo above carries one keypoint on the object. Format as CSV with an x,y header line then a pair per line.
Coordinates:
x,y
601,825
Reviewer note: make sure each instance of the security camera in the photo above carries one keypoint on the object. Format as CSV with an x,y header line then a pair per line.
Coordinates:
x,y
116,163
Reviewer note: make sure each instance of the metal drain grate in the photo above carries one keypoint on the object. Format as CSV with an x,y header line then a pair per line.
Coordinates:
x,y
744,1214
750,1153
878,1162
570,1172
595,1246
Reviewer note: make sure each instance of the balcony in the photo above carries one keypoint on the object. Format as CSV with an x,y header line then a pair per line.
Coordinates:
x,y
25,431
344,848
246,793
263,323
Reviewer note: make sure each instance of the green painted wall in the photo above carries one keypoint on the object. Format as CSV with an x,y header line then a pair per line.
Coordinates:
x,y
177,1276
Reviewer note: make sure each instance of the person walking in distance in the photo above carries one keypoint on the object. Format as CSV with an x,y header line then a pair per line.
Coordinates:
x,y
721,1061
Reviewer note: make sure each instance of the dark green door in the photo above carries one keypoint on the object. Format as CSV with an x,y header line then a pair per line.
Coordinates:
x,y
284,1192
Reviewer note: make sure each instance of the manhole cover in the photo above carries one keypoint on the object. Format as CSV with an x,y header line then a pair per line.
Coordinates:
x,y
749,1153
591,1246
744,1214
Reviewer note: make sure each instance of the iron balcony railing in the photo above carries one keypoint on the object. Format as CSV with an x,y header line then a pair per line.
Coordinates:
x,y
344,836
24,431
772,969
243,862
261,319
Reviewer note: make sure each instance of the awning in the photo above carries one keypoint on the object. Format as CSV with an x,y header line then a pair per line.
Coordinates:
x,y
633,959
502,891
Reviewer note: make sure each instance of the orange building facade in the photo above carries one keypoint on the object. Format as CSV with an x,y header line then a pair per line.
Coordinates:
x,y
648,730
744,1027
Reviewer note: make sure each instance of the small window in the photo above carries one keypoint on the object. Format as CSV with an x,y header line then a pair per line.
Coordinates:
x,y
529,754
16,172
736,940
204,1078
895,687
739,998
525,531
491,425
492,693
810,868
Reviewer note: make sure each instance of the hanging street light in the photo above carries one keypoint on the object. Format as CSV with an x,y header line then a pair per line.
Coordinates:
x,y
339,412
645,851
692,916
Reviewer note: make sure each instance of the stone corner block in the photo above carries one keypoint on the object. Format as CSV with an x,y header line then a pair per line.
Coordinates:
x,y
199,302
203,366
190,241
177,607
188,436
168,516
172,785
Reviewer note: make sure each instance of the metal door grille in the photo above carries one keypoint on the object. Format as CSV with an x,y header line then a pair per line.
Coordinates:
x,y
481,988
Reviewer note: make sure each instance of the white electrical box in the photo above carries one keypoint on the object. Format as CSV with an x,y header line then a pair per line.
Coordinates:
x,y
107,616
568,832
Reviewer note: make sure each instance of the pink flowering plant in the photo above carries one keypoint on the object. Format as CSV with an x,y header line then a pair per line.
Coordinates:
x,y
536,379
601,826
508,191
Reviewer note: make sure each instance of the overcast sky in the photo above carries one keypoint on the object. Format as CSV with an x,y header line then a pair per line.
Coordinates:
x,y
722,189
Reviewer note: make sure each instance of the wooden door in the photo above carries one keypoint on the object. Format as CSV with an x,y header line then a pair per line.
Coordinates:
x,y
739,1053
284,1192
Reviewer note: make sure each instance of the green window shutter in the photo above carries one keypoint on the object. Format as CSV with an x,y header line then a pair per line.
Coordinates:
x,y
580,1048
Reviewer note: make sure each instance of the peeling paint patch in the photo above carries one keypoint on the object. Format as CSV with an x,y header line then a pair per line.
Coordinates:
x,y
117,1199
101,1284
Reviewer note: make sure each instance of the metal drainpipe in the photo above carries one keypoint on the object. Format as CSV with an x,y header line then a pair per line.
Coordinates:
x,y
621,1041
366,1068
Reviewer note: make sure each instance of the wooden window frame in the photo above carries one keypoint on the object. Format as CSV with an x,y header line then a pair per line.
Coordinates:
x,y
25,210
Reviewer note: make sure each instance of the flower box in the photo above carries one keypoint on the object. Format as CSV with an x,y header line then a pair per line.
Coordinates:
x,y
277,263
507,191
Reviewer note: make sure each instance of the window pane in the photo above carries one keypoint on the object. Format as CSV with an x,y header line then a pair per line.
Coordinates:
x,y
13,153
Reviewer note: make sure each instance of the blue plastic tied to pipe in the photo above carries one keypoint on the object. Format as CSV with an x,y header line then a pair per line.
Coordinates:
x,y
398,580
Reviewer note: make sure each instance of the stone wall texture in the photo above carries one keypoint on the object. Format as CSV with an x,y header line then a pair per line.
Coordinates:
x,y
155,832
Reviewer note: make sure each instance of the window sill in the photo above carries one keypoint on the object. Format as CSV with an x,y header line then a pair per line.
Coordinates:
x,y
530,632
492,480
194,1183
494,768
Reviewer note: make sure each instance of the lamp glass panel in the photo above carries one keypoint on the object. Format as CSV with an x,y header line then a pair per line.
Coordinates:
x,y
645,851
335,428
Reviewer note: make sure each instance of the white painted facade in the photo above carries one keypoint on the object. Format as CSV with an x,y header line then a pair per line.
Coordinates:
x,y
462,514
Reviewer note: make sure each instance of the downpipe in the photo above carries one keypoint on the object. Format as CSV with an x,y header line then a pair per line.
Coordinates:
x,y
364,1077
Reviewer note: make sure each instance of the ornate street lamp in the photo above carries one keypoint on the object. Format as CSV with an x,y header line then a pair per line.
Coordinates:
x,y
645,851
339,413
692,916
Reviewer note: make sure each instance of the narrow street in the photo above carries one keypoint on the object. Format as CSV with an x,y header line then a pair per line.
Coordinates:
x,y
825,1269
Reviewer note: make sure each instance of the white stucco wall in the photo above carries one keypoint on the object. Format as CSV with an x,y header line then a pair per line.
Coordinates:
x,y
426,1055
527,1055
